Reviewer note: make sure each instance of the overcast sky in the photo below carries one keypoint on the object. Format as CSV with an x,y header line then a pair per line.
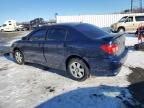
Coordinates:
x,y
25,10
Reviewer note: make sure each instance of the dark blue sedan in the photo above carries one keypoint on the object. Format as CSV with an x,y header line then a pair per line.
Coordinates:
x,y
80,49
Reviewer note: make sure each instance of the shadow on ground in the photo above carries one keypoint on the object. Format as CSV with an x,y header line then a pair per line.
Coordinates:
x,y
137,91
93,97
137,83
52,70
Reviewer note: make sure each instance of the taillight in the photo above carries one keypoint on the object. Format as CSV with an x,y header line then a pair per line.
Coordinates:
x,y
110,48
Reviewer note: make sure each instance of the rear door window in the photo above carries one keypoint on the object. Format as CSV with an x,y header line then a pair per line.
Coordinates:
x,y
139,18
56,34
38,35
74,35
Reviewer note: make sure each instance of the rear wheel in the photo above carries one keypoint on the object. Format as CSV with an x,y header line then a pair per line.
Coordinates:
x,y
19,58
78,69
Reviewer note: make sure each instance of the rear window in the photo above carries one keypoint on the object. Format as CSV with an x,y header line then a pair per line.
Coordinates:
x,y
139,18
91,31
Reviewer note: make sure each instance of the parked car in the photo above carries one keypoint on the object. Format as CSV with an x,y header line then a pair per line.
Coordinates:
x,y
128,23
9,26
80,49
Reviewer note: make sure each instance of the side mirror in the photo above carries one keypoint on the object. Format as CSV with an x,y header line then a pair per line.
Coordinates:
x,y
24,38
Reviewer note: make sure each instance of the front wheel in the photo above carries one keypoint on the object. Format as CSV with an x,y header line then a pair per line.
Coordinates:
x,y
121,30
19,58
78,70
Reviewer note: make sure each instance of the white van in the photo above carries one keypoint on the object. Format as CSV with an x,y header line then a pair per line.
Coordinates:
x,y
128,23
9,25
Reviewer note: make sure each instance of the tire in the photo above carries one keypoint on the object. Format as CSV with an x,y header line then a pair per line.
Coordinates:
x,y
78,70
2,30
121,30
19,57
137,46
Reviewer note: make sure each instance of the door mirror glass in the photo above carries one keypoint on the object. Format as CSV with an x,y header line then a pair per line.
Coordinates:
x,y
24,38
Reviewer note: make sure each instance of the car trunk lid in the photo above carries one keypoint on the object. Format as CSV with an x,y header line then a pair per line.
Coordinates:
x,y
116,39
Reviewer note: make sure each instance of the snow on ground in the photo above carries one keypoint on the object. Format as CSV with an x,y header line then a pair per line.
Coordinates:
x,y
29,86
131,40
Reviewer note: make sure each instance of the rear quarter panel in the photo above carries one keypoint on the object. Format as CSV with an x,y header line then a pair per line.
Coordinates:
x,y
86,49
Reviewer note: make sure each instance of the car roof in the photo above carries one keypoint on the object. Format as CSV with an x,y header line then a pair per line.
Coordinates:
x,y
73,25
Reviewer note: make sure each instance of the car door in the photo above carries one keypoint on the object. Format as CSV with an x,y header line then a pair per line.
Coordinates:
x,y
139,21
129,24
33,48
54,47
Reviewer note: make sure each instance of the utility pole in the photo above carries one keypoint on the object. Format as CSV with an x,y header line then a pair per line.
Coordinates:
x,y
131,6
56,14
141,6
136,4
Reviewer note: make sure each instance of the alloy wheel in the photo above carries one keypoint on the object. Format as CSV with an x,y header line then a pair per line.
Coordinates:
x,y
77,70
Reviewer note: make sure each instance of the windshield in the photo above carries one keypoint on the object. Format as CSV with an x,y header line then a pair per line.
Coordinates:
x,y
91,31
123,19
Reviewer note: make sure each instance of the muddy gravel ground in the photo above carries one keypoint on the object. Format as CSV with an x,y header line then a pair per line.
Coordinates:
x,y
33,85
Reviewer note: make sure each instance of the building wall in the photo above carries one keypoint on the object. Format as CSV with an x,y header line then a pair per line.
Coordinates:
x,y
98,20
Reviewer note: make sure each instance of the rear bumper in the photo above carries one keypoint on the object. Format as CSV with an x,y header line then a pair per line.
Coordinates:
x,y
107,67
